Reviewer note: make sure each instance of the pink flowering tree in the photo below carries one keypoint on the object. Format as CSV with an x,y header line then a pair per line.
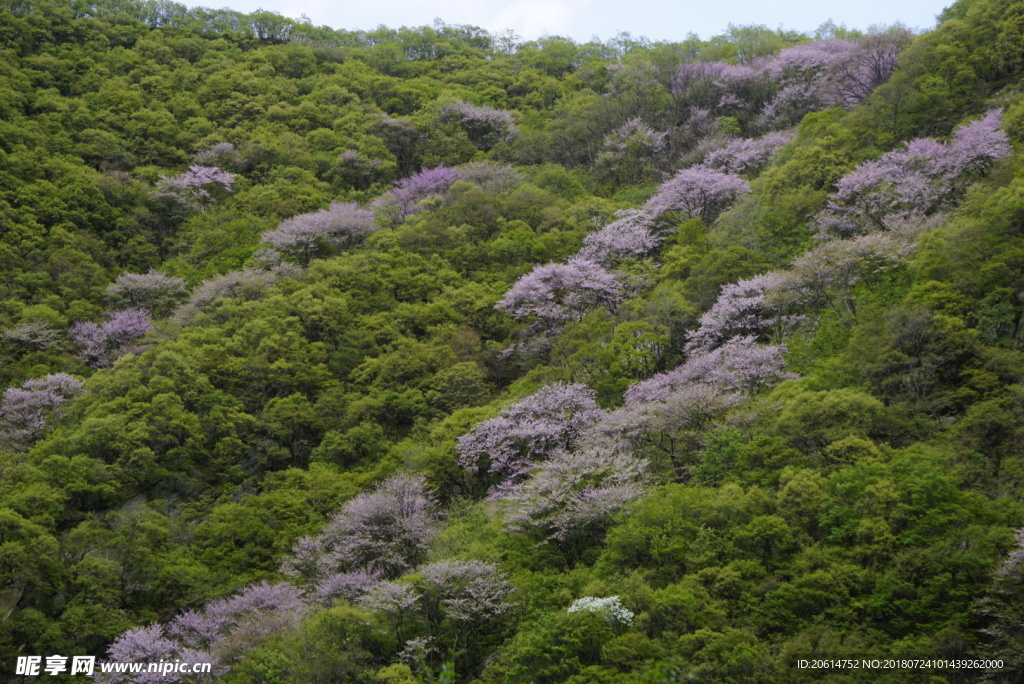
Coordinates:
x,y
757,306
555,294
698,192
720,87
924,177
176,197
804,75
27,412
502,450
746,155
868,66
152,291
464,604
246,285
149,645
484,126
229,628
668,431
220,633
32,334
631,235
740,365
457,607
570,498
193,190
219,155
808,62
306,236
100,345
669,415
394,602
403,199
383,533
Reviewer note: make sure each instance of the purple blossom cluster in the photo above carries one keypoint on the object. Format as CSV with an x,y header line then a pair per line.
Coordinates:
x,y
191,189
383,533
799,79
33,334
698,192
222,154
527,432
911,183
485,126
28,411
630,236
555,294
220,633
100,345
394,206
305,236
573,495
247,284
750,307
457,601
740,365
676,423
746,155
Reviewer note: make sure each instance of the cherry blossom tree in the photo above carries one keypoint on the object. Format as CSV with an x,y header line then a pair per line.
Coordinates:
x,y
756,306
868,66
230,627
922,178
698,192
351,586
192,189
630,236
463,601
555,294
570,498
220,633
32,334
28,411
746,155
485,126
739,365
220,155
396,602
147,645
503,449
384,533
669,430
808,62
100,345
246,285
401,201
1002,612
306,236
152,291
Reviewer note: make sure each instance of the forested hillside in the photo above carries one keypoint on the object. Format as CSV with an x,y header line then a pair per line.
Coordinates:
x,y
427,355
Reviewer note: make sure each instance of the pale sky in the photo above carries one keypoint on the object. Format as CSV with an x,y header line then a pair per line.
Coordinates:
x,y
583,19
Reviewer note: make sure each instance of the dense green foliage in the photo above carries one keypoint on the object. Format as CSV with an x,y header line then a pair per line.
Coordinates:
x,y
860,510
